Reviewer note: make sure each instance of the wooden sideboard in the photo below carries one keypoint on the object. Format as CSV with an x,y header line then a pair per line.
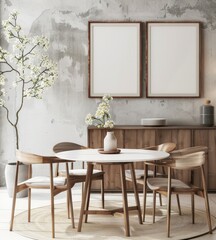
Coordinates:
x,y
137,136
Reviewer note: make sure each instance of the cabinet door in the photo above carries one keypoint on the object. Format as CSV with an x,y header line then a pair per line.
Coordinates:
x,y
162,136
95,138
139,138
145,138
183,139
211,160
207,138
201,138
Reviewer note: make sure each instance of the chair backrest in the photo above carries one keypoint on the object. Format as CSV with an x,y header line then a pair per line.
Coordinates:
x,y
166,147
185,151
67,146
188,158
28,158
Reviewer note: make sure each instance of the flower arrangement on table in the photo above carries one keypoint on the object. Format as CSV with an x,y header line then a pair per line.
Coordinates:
x,y
102,117
33,69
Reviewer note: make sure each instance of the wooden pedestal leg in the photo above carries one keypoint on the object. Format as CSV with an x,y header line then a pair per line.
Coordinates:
x,y
136,195
84,196
125,202
88,200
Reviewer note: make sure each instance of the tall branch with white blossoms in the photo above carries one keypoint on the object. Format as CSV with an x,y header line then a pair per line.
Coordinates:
x,y
34,70
102,117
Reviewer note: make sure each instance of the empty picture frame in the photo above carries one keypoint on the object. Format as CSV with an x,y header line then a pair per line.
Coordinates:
x,y
115,59
173,59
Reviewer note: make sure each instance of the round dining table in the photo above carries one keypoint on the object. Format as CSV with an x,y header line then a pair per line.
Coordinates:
x,y
124,156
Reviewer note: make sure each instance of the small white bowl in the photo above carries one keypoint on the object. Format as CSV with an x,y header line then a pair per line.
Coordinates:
x,y
153,121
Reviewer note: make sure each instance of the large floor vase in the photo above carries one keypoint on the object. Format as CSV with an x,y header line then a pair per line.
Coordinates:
x,y
10,172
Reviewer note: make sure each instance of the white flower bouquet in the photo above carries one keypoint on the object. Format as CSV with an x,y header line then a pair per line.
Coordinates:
x,y
102,117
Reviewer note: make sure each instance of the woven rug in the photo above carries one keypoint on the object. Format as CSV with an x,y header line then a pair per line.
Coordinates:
x,y
109,227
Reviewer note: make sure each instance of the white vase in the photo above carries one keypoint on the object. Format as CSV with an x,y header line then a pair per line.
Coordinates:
x,y
110,142
10,172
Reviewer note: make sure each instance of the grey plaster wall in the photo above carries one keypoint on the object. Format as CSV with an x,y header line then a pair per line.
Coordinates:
x,y
59,116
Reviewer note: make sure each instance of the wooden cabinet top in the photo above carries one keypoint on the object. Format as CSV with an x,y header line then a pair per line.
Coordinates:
x,y
157,127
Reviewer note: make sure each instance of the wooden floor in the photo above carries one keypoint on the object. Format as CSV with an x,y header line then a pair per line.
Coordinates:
x,y
42,199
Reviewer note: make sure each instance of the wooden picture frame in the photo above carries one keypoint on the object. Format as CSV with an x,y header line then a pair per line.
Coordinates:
x,y
115,59
173,59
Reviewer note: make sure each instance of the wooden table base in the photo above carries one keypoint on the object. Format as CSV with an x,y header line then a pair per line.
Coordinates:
x,y
86,198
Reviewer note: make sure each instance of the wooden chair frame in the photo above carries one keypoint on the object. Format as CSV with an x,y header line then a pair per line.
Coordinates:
x,y
166,147
67,146
31,159
183,160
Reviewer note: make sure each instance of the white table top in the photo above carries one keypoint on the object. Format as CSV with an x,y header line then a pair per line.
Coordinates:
x,y
126,155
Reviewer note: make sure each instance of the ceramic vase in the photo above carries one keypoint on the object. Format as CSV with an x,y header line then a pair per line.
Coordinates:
x,y
207,114
10,172
110,142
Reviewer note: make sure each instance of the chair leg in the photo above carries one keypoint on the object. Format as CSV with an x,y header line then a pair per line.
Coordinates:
x,y
52,216
52,201
14,197
155,171
192,208
206,200
12,213
29,193
83,187
178,203
70,203
144,191
102,193
208,213
169,202
69,197
68,206
102,190
154,205
29,205
160,198
144,202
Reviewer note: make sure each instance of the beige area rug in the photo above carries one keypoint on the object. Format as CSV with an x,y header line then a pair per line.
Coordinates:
x,y
109,227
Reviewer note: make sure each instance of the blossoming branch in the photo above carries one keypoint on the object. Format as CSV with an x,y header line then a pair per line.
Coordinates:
x,y
33,70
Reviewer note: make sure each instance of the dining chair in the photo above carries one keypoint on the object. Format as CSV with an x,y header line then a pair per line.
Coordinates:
x,y
185,159
142,175
79,175
56,184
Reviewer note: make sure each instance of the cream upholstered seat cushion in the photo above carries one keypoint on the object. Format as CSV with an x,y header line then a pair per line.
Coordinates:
x,y
79,172
162,183
139,173
45,181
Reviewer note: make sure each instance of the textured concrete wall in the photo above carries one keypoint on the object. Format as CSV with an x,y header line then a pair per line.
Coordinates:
x,y
59,116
